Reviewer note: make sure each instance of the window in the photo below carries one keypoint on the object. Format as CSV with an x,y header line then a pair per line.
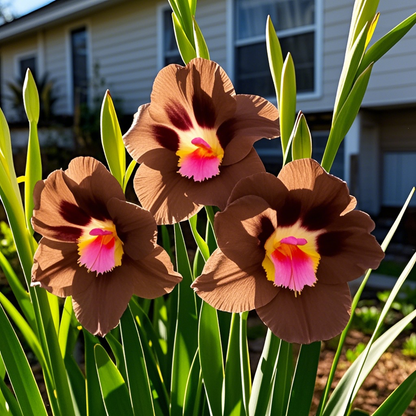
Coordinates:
x,y
170,49
25,63
79,54
295,24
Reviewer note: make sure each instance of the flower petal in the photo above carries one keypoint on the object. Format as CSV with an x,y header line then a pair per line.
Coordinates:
x,y
322,197
217,190
164,192
225,286
254,119
347,249
201,89
54,267
92,185
153,276
318,313
56,213
243,228
264,185
100,300
135,227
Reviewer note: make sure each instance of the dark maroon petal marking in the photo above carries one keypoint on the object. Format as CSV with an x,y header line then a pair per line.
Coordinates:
x,y
289,213
319,217
204,109
179,117
332,243
73,214
226,132
166,137
267,230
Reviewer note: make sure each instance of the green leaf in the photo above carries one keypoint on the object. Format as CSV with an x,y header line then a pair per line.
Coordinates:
x,y
111,139
383,45
113,387
22,297
153,355
283,380
345,118
137,375
9,405
117,350
245,360
186,49
352,60
233,388
31,98
303,385
24,328
18,369
128,174
33,171
358,412
201,47
302,139
287,101
275,57
363,13
201,243
398,401
210,356
354,304
182,12
265,372
186,341
78,385
95,404
194,392
352,380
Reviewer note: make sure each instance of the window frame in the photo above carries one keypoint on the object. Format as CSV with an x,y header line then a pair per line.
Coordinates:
x,y
161,56
317,27
69,74
25,55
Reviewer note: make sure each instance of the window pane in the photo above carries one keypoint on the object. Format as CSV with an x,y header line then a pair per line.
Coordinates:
x,y
24,64
170,49
79,66
286,14
252,67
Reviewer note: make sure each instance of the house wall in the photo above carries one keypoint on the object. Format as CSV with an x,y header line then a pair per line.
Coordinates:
x,y
125,42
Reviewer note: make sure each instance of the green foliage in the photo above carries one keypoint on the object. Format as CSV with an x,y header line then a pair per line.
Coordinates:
x,y
409,346
7,246
352,354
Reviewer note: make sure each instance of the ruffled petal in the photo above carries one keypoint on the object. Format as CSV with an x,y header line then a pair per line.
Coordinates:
x,y
225,286
254,119
347,249
264,185
54,267
135,227
56,213
243,228
318,197
162,191
318,313
154,275
217,190
92,186
200,92
100,300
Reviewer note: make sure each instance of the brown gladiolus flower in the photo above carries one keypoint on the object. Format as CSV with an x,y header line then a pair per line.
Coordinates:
x,y
287,248
195,140
96,246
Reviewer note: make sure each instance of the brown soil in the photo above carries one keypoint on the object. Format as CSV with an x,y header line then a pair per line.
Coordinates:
x,y
391,370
